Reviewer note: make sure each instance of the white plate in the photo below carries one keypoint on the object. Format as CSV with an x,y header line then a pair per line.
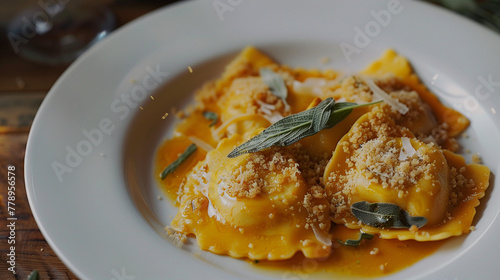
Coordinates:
x,y
101,215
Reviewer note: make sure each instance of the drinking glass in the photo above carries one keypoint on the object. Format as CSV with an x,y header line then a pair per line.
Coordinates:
x,y
57,31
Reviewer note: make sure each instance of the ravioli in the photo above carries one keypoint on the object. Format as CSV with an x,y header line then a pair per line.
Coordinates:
x,y
392,64
281,202
379,161
255,206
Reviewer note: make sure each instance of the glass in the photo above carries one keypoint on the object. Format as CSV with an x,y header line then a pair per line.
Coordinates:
x,y
57,31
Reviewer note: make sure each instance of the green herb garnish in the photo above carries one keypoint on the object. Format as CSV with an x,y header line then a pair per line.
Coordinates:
x,y
356,242
295,127
211,116
385,215
34,275
173,166
274,81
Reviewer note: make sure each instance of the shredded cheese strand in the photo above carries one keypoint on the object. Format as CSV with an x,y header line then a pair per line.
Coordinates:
x,y
200,143
407,149
394,103
269,111
321,237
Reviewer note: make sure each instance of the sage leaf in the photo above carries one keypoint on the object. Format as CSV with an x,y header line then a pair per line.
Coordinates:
x,y
211,116
274,81
34,275
173,166
356,242
385,215
342,110
295,127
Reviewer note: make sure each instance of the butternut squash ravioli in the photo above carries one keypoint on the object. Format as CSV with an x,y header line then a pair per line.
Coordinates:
x,y
297,199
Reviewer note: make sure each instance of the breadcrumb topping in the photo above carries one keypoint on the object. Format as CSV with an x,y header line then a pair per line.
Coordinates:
x,y
249,180
476,158
177,238
459,182
378,161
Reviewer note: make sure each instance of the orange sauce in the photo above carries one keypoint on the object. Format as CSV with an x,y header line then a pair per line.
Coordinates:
x,y
372,258
365,261
195,125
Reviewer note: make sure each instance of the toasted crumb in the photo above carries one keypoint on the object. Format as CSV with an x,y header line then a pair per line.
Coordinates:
x,y
476,158
177,238
459,184
306,242
413,229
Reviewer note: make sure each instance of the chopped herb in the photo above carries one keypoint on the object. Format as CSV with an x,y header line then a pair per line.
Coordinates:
x,y
211,116
256,261
34,275
173,166
385,215
274,81
356,242
295,127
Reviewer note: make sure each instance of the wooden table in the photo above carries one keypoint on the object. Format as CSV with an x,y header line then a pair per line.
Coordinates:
x,y
20,77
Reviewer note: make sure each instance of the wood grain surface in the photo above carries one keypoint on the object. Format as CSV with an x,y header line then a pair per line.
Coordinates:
x,y
19,76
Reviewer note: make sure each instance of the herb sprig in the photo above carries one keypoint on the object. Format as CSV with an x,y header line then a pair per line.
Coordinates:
x,y
274,81
34,275
211,116
385,215
295,127
356,242
174,165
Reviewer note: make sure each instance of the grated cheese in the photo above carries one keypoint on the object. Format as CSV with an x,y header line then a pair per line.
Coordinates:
x,y
407,149
269,111
310,86
321,236
398,106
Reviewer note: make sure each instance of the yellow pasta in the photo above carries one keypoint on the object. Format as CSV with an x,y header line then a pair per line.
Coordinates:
x,y
371,164
281,203
241,206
